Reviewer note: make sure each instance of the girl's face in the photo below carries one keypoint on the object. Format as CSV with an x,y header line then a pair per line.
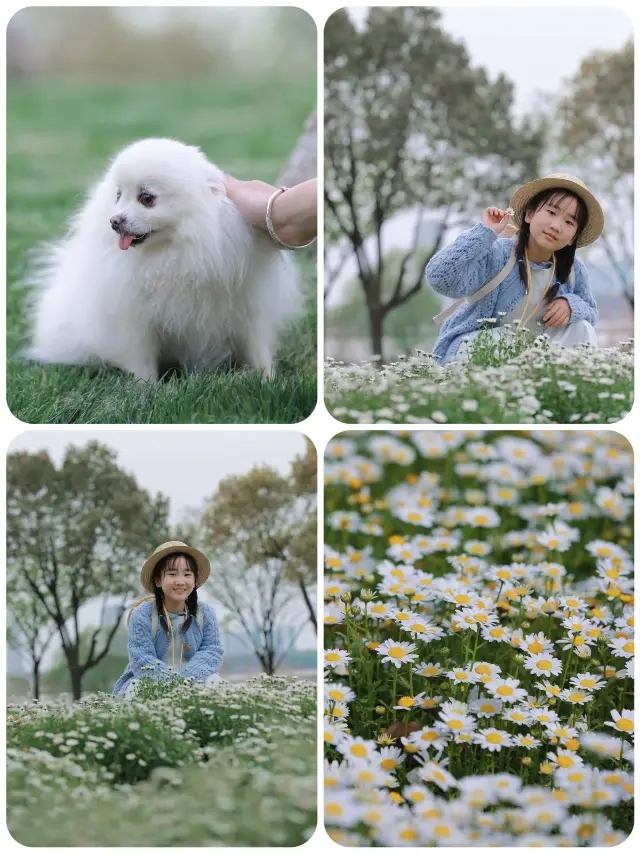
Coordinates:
x,y
555,224
177,580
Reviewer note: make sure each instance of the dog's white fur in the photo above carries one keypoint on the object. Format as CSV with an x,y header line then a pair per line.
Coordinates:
x,y
203,285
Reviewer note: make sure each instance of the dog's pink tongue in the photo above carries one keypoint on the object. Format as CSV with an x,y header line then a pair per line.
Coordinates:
x,y
125,241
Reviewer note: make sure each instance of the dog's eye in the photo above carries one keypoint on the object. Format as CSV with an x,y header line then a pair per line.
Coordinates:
x,y
147,199
118,195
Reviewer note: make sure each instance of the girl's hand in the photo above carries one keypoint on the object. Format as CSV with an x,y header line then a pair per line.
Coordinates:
x,y
496,219
558,315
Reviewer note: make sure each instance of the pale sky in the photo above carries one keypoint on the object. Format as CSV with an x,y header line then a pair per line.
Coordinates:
x,y
538,46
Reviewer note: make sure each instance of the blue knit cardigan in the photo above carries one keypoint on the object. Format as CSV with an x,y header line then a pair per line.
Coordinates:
x,y
202,654
471,261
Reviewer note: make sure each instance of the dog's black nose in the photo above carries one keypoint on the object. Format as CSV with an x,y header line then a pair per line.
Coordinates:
x,y
118,221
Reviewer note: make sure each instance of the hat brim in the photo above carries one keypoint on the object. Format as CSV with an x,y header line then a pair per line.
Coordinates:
x,y
202,563
595,216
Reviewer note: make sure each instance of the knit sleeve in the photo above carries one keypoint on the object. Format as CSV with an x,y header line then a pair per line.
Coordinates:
x,y
583,305
467,264
208,659
142,651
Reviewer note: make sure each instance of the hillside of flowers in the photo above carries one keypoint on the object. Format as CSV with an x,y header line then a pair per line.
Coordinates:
x,y
506,384
186,766
479,639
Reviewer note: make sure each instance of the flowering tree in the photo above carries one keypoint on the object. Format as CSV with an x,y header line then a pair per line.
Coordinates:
x,y
75,534
31,632
595,129
409,123
261,527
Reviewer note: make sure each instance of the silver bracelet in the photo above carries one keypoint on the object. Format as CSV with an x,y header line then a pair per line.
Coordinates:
x,y
271,229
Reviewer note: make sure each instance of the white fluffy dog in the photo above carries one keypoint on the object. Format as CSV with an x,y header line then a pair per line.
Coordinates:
x,y
159,268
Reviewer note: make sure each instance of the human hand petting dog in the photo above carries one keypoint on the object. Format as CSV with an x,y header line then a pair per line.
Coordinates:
x,y
294,213
558,315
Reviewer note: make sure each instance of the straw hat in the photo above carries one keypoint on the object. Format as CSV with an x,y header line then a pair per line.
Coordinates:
x,y
204,567
595,216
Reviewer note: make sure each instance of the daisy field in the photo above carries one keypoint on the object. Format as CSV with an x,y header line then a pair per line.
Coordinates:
x,y
479,639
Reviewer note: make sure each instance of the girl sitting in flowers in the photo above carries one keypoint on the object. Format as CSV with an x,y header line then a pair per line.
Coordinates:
x,y
170,631
532,280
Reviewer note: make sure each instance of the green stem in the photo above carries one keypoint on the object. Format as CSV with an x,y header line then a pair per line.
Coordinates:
x,y
475,648
566,664
395,684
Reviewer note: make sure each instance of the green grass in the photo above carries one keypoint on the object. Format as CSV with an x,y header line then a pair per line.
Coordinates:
x,y
59,138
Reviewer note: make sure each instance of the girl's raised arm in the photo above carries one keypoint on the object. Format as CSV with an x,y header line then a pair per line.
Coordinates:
x,y
468,263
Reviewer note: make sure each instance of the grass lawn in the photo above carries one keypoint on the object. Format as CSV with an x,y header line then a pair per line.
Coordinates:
x,y
60,137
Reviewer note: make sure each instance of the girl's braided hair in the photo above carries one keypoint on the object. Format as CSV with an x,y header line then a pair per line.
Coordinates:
x,y
192,601
564,257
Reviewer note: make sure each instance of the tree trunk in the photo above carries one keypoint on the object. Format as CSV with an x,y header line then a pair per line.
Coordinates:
x,y
376,316
36,679
76,682
307,601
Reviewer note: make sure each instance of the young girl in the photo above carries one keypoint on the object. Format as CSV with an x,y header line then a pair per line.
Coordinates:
x,y
532,280
169,630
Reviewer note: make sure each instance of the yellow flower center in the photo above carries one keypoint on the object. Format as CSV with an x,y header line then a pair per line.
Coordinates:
x,y
588,683
333,809
576,697
544,664
442,831
408,834
565,761
430,670
455,724
332,657
505,690
625,724
494,737
536,648
628,647
430,735
396,652
406,702
388,764
417,627
359,750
